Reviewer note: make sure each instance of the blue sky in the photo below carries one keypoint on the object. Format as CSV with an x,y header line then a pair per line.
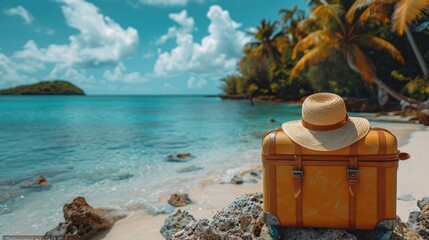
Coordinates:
x,y
128,46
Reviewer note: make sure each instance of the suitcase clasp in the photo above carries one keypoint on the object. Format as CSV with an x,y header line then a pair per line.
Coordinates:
x,y
298,172
352,173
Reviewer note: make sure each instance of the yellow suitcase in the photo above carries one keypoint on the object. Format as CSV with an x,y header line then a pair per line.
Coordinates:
x,y
353,187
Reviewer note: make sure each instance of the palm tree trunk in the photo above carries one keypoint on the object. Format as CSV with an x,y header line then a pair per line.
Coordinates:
x,y
416,51
392,92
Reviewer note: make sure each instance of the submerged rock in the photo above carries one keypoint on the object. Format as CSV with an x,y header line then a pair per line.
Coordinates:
x,y
178,157
82,221
41,181
179,200
175,223
189,169
183,155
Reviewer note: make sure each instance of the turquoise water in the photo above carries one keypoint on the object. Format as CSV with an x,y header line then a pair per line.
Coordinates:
x,y
113,150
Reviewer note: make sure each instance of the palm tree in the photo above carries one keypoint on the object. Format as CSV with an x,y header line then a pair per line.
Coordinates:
x,y
405,12
350,39
267,43
289,20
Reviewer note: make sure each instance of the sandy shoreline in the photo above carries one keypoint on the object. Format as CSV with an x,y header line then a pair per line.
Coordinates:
x,y
412,180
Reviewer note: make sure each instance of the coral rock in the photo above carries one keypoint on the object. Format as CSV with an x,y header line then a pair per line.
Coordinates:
x,y
403,232
175,223
179,200
242,219
82,221
422,226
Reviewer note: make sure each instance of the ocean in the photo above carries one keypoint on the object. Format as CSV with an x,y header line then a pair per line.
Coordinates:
x,y
113,150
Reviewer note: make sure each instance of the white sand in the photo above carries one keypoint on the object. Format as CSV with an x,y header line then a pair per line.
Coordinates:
x,y
205,204
413,178
413,174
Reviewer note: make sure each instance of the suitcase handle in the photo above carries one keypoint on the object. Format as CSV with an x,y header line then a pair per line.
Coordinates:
x,y
403,155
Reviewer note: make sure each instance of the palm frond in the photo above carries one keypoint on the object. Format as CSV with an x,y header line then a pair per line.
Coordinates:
x,y
374,13
360,62
360,4
327,16
314,38
287,13
378,43
314,56
306,24
281,43
406,11
357,5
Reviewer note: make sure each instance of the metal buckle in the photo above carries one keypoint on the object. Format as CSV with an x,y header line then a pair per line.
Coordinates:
x,y
298,171
352,173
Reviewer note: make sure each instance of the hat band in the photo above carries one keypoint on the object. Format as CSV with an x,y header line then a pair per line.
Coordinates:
x,y
325,127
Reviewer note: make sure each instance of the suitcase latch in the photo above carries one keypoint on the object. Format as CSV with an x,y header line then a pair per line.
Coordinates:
x,y
352,173
298,172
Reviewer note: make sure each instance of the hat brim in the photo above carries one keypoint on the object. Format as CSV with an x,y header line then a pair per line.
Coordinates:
x,y
355,129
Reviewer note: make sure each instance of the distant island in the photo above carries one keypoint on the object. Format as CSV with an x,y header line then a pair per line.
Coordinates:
x,y
56,87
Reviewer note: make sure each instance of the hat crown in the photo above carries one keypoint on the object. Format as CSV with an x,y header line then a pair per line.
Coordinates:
x,y
324,109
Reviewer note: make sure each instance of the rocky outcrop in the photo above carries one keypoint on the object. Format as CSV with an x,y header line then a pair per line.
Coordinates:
x,y
179,200
82,221
403,231
243,219
175,223
420,220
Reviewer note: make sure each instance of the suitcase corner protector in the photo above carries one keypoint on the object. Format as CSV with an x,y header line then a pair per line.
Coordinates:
x,y
271,219
386,225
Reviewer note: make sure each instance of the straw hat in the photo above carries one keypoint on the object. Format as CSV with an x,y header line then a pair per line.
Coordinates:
x,y
325,124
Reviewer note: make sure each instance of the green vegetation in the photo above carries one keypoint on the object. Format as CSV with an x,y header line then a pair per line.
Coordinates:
x,y
343,46
45,88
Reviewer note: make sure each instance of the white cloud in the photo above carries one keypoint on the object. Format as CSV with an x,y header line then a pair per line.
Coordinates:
x,y
21,12
168,2
187,26
8,71
118,75
217,52
193,82
100,40
71,74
